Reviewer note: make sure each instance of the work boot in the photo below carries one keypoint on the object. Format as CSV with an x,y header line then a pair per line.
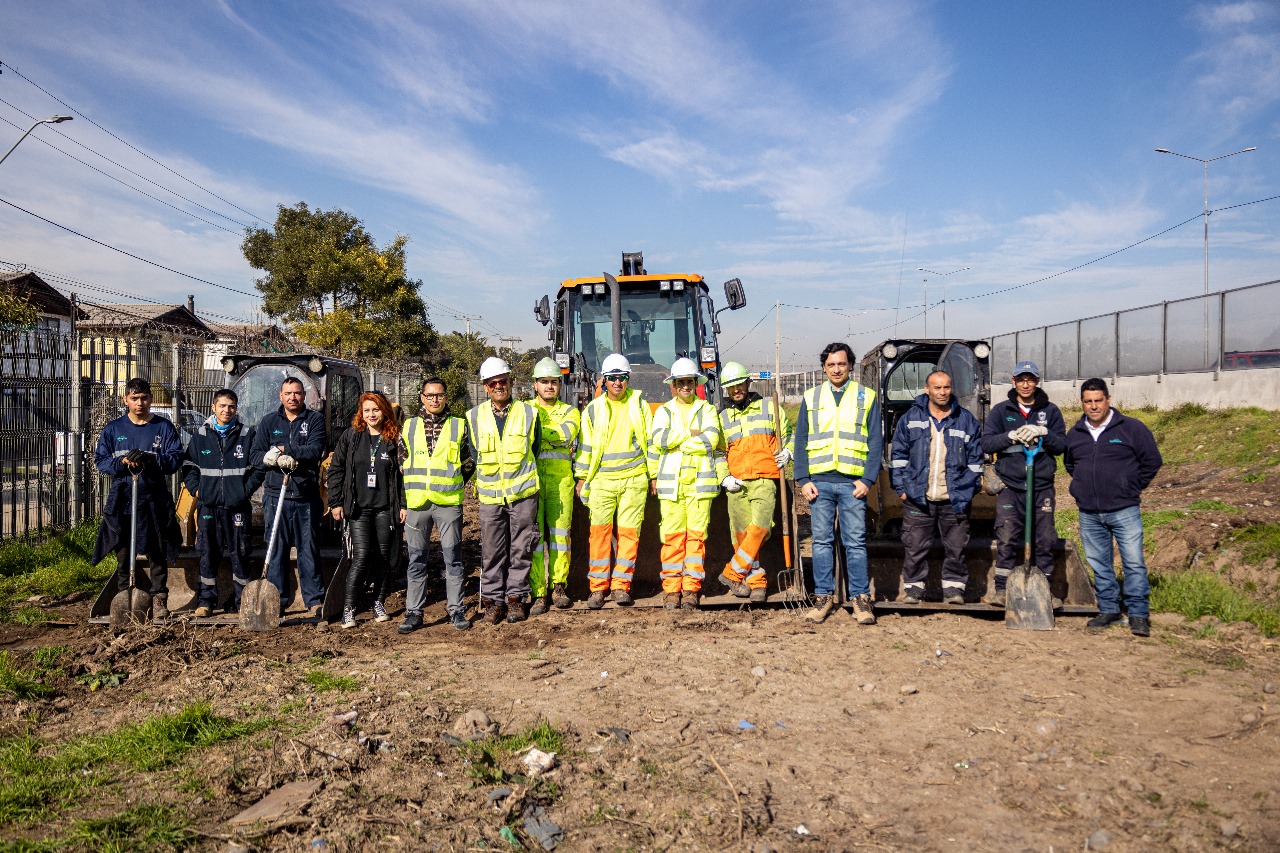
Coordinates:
x,y
622,598
1140,626
459,620
1057,603
160,607
203,611
560,597
380,612
758,595
516,610
596,601
494,612
862,610
412,622
912,595
951,595
1103,620
996,598
349,617
738,588
671,601
689,600
822,607
539,607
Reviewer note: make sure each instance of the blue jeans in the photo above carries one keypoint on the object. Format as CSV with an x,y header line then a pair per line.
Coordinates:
x,y
837,499
1096,532
299,528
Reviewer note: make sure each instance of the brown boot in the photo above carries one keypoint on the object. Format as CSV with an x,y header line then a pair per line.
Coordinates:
x,y
560,597
204,611
862,610
494,612
671,601
160,606
539,607
516,610
822,607
689,600
596,601
758,595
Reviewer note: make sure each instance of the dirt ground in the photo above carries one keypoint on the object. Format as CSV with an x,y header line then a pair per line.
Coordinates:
x,y
727,729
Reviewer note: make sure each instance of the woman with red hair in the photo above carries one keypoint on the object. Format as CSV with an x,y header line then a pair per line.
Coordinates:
x,y
365,490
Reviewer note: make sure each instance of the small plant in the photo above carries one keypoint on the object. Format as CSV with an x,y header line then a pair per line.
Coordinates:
x,y
1256,477
488,755
95,681
16,683
323,682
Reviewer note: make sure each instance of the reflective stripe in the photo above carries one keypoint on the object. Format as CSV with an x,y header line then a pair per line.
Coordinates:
x,y
917,424
900,463
626,564
558,546
555,455
959,433
557,531
120,453
600,576
222,472
675,568
977,469
604,562
694,573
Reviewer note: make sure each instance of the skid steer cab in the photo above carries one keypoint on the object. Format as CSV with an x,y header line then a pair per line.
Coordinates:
x,y
332,387
897,370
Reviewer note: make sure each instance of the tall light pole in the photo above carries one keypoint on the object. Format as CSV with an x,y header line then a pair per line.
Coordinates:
x,y
943,276
50,120
1206,163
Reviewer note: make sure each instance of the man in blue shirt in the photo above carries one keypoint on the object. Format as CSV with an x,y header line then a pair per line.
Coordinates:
x,y
146,446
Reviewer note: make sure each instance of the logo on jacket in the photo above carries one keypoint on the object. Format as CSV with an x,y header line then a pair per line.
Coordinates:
x,y
302,430
206,452
1116,441
1042,417
239,452
156,442
121,438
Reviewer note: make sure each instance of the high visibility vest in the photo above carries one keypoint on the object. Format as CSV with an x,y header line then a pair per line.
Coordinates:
x,y
560,424
838,434
432,476
681,458
629,452
750,440
505,468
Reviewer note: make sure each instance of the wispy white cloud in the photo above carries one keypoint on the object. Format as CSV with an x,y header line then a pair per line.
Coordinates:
x,y
1239,77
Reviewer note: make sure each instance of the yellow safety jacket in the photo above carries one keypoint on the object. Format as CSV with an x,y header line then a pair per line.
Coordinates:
x,y
432,476
681,458
505,468
560,424
838,434
594,458
749,440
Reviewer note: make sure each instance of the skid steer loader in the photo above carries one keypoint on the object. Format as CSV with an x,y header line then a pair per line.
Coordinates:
x,y
332,386
897,369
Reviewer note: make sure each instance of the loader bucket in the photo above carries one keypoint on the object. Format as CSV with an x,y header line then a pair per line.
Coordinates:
x,y
646,584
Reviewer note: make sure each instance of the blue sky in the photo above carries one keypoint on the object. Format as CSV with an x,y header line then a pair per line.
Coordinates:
x,y
820,152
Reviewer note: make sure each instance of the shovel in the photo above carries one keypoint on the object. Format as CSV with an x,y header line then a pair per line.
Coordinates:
x,y
260,600
131,605
791,579
1028,602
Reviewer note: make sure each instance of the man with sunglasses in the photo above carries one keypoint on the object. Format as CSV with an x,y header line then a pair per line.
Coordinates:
x,y
614,473
437,461
504,435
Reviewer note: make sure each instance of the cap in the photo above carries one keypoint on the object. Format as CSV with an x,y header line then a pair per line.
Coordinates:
x,y
1026,367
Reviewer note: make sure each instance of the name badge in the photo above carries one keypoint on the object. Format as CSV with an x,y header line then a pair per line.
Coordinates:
x,y
372,480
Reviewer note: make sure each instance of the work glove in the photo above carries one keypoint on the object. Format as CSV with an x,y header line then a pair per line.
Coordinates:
x,y
286,462
782,457
133,457
1015,435
731,484
271,457
1030,433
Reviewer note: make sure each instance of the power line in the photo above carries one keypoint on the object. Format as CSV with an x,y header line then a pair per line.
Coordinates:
x,y
127,254
114,178
138,150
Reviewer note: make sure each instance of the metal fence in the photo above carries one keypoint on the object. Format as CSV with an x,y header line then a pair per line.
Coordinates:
x,y
58,389
1230,330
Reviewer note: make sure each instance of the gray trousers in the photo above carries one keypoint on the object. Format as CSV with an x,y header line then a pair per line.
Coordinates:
x,y
508,535
417,529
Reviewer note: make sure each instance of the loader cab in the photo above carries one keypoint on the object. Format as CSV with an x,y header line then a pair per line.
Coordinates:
x,y
332,387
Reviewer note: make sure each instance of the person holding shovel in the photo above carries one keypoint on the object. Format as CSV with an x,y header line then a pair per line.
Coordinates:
x,y
143,446
1025,418
1111,460
748,465
218,474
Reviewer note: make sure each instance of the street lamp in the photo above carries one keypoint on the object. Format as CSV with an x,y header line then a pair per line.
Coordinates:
x,y
50,120
1206,231
943,276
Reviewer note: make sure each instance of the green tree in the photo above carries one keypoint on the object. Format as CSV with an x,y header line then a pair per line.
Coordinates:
x,y
328,279
461,356
16,311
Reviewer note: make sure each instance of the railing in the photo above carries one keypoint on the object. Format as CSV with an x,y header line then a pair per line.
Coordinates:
x,y
1230,330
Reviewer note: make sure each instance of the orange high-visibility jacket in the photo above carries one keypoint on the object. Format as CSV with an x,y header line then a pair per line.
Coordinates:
x,y
750,442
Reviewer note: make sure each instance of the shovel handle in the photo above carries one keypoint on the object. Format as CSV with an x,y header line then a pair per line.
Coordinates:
x,y
782,482
133,530
275,525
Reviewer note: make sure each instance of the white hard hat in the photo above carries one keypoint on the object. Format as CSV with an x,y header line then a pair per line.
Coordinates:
x,y
685,368
493,366
614,364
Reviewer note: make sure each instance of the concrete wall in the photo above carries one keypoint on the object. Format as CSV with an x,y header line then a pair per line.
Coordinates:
x,y
1259,387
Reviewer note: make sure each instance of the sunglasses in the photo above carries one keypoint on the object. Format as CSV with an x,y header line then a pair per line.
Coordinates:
x,y
495,383
618,377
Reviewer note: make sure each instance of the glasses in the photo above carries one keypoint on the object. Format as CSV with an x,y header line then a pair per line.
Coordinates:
x,y
618,377
496,383
433,396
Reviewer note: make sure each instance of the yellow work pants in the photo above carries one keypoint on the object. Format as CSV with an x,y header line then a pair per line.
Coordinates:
x,y
684,542
750,519
622,500
555,514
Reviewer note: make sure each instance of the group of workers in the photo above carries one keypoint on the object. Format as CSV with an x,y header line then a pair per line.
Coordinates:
x,y
529,460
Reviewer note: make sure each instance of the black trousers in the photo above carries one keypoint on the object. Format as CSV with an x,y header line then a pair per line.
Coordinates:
x,y
919,524
223,531
159,572
373,535
1011,509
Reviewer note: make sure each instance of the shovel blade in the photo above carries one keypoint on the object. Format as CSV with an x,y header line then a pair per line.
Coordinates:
x,y
260,606
1028,602
130,607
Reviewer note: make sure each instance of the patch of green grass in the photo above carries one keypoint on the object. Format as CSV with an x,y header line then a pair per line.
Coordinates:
x,y
57,567
1241,437
488,755
1255,477
20,684
1214,506
1156,519
1259,543
1196,594
323,681
140,828
37,781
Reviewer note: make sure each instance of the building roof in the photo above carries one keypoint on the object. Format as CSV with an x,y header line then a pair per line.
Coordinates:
x,y
145,316
38,292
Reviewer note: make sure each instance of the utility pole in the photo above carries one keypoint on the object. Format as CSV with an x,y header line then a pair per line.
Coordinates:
x,y
468,322
510,342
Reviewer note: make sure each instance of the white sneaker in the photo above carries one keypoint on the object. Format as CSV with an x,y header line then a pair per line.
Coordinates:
x,y
380,612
